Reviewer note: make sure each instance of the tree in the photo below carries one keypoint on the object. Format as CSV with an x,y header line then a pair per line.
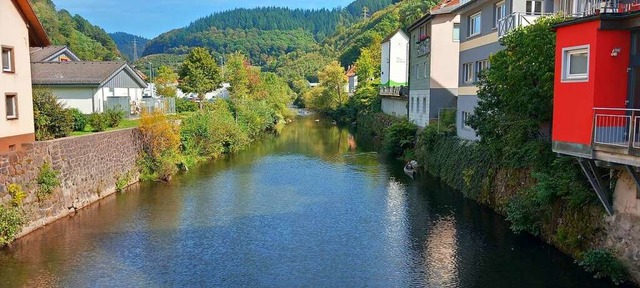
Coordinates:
x,y
369,62
516,93
333,79
199,73
238,76
165,81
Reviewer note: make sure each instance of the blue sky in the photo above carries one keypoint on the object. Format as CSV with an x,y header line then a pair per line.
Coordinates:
x,y
150,18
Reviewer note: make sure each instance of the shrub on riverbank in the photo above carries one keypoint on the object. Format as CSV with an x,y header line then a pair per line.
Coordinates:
x,y
11,221
52,119
604,264
161,142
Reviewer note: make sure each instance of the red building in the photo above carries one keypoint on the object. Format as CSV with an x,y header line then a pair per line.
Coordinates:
x,y
596,113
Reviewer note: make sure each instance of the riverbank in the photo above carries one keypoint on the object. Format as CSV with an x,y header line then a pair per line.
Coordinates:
x,y
574,222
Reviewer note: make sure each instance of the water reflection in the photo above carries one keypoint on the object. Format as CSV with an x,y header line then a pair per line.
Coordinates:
x,y
307,207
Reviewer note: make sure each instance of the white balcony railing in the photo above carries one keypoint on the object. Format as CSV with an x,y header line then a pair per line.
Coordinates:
x,y
513,21
423,47
617,127
398,91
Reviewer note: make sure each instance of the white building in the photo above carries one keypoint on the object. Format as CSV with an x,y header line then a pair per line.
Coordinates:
x,y
394,69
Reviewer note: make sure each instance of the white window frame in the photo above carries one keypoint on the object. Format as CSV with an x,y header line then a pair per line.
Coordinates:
x,y
500,7
533,6
426,72
566,63
475,19
417,71
465,119
480,66
10,59
14,103
456,32
468,75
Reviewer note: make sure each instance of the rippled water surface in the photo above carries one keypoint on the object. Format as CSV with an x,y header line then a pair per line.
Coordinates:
x,y
311,207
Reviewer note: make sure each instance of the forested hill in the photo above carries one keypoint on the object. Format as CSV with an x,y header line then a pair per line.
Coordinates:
x,y
267,24
86,40
124,41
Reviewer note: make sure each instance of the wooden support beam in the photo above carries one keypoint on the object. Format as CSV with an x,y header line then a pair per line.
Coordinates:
x,y
595,179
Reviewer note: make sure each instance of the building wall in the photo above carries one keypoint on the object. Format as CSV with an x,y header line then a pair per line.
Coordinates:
x,y
466,103
573,101
394,107
384,66
15,34
417,114
444,67
88,168
399,60
441,98
75,97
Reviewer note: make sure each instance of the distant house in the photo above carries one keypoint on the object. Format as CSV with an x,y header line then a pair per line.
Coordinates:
x,y
394,70
52,54
20,30
433,81
222,93
352,80
90,86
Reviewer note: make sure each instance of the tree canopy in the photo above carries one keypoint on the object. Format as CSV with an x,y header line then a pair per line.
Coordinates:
x,y
199,73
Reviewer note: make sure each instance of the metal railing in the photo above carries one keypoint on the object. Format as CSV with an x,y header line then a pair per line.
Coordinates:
x,y
166,105
513,21
397,91
617,127
424,47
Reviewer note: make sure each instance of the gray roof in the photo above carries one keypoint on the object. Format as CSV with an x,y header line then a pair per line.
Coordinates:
x,y
40,54
78,73
399,30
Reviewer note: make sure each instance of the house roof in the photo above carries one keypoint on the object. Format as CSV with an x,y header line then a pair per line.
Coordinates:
x,y
399,30
44,54
351,71
79,73
37,35
443,7
470,3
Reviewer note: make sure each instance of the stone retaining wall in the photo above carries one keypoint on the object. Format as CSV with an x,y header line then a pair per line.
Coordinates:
x,y
623,228
88,168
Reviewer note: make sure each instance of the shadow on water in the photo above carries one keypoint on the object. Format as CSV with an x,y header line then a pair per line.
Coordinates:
x,y
310,206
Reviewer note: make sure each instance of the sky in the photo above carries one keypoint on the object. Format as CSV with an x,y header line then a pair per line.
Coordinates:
x,y
149,18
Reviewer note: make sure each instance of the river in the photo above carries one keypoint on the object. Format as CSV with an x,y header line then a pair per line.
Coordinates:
x,y
310,207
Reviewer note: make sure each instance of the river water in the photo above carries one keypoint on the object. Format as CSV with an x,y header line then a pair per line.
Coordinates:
x,y
311,207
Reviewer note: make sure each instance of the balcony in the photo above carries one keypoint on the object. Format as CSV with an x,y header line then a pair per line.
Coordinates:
x,y
397,91
513,21
423,47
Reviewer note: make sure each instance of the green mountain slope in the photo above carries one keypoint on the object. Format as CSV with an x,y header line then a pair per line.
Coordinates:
x,y
262,33
86,40
124,41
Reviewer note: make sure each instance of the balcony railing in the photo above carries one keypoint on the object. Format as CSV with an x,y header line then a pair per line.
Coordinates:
x,y
397,91
423,47
513,21
617,127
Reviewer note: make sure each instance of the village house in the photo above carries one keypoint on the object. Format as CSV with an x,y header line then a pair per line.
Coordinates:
x,y
352,80
91,86
394,74
482,24
433,81
53,53
20,30
596,116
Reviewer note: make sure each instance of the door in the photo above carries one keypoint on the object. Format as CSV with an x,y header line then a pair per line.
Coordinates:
x,y
633,96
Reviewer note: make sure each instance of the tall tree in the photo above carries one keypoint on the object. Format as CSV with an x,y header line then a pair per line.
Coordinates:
x,y
199,73
166,81
333,79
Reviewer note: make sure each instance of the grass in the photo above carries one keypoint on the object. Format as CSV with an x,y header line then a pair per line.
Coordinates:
x,y
126,123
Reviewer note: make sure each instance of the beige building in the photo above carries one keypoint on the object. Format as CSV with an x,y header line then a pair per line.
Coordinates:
x,y
20,30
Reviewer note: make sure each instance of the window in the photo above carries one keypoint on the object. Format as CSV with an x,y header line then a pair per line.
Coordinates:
x,y
465,120
11,103
417,72
474,24
575,63
7,60
417,105
426,70
481,66
467,73
533,7
412,99
456,31
500,12
424,105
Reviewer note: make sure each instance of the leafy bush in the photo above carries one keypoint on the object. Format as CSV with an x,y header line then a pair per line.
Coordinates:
x,y
51,118
47,180
185,105
11,221
522,212
17,194
399,137
113,117
603,263
122,181
255,117
79,120
161,141
98,121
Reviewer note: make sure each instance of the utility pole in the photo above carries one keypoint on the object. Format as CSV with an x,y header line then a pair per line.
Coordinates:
x,y
135,49
365,12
